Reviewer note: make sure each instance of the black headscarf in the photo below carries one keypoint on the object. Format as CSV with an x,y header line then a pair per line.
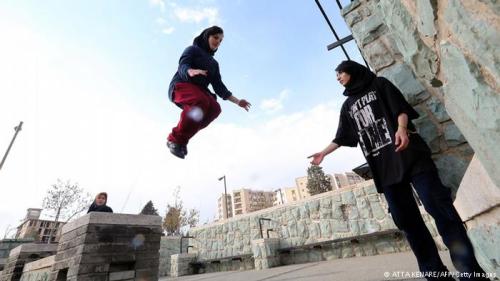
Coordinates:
x,y
361,76
100,208
202,39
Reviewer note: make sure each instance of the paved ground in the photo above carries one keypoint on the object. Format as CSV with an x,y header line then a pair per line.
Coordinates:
x,y
372,268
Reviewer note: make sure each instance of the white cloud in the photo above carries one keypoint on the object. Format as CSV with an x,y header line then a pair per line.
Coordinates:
x,y
168,30
197,15
274,104
161,21
159,3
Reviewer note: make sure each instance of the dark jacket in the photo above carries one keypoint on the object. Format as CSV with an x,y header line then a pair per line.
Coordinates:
x,y
197,58
369,117
103,208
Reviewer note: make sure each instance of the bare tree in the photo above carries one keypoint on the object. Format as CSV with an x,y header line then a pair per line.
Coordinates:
x,y
65,200
177,219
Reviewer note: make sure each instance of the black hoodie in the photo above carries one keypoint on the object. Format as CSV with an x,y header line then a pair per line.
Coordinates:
x,y
200,56
369,117
96,208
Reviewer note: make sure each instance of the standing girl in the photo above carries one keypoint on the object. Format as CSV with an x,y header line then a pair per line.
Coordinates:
x,y
376,116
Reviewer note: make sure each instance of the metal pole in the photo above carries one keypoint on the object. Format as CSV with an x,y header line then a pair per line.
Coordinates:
x,y
17,129
331,27
225,194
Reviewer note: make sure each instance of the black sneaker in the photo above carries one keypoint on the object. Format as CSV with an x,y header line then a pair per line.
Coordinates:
x,y
176,149
184,149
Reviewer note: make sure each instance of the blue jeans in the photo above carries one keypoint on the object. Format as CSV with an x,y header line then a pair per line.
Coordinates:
x,y
437,201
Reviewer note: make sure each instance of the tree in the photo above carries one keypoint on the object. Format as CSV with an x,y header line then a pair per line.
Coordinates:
x,y
317,181
65,200
177,220
149,209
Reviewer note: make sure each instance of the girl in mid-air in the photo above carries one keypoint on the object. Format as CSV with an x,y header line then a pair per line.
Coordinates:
x,y
189,89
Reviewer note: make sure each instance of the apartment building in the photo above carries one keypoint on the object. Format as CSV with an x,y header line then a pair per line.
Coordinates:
x,y
247,200
347,179
33,227
223,206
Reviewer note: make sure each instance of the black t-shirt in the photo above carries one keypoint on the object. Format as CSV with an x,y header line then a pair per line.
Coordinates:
x,y
369,118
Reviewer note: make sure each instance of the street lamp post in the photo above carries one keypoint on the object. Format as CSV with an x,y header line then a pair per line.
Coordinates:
x,y
17,129
225,194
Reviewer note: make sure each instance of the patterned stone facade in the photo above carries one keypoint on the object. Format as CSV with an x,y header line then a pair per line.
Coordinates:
x,y
348,212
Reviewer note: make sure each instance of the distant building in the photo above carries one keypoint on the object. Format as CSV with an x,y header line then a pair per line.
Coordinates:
x,y
301,184
247,200
280,197
221,207
347,179
33,227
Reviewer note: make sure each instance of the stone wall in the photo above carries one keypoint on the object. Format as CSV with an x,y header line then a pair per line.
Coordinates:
x,y
395,45
6,245
38,270
479,208
107,246
22,255
348,212
444,57
169,245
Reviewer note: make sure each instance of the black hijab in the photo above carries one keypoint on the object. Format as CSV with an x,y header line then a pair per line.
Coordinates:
x,y
361,76
100,208
202,39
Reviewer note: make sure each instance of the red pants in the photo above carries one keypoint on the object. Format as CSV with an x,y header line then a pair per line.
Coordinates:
x,y
199,109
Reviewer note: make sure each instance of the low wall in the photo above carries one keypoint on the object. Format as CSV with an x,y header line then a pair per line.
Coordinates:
x,y
22,255
107,246
169,245
478,203
38,270
348,212
6,245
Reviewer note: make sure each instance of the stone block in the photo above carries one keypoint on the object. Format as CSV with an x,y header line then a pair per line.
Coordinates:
x,y
478,35
326,228
353,18
429,132
378,55
368,30
121,275
112,219
452,135
451,169
339,226
426,16
378,212
404,79
473,104
437,108
351,7
348,198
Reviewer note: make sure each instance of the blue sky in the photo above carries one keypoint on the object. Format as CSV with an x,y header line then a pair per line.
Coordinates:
x,y
90,79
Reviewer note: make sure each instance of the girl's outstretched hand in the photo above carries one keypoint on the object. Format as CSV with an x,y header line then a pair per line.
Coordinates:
x,y
244,104
317,158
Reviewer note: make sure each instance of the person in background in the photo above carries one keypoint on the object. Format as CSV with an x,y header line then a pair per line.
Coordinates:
x,y
99,204
376,116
